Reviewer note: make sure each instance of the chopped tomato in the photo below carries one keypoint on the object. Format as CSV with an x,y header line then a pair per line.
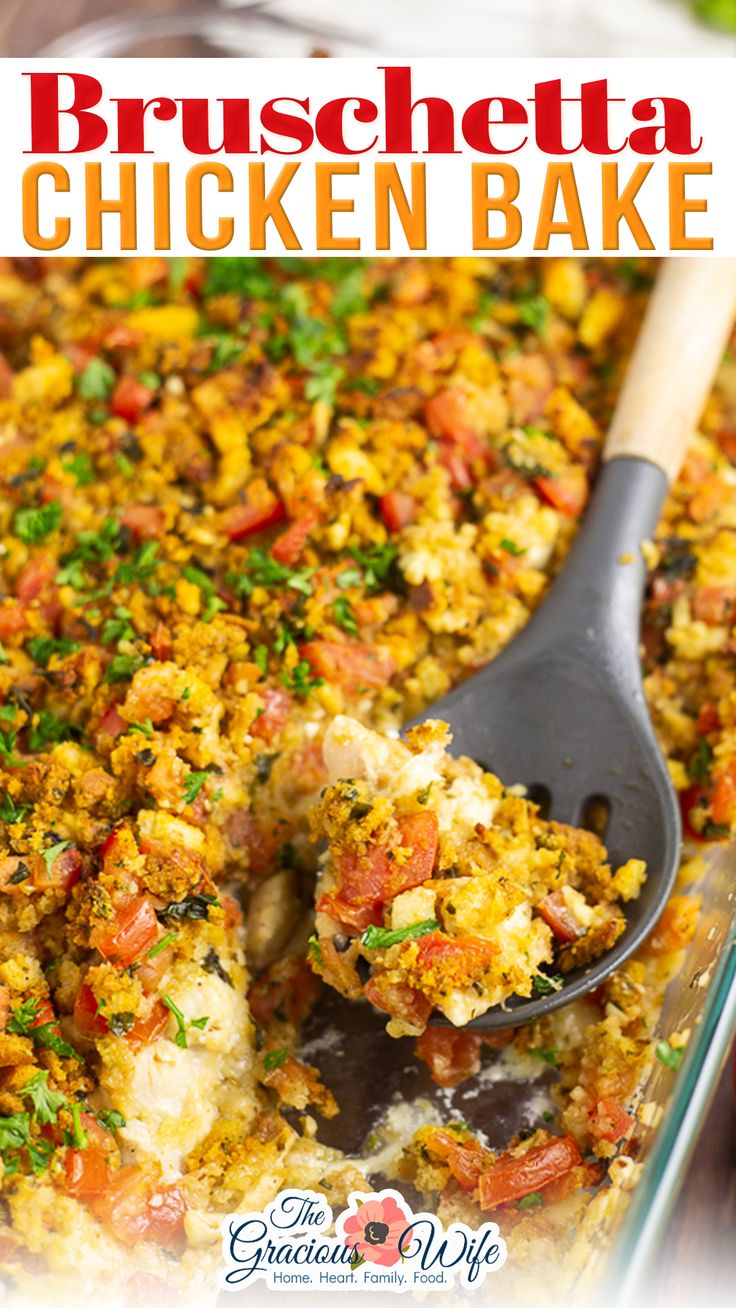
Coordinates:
x,y
568,491
276,709
676,926
693,801
451,1056
12,619
261,509
287,991
465,955
35,577
723,798
165,1212
610,1121
111,723
558,916
117,851
708,719
288,547
367,881
130,398
87,1017
161,642
145,521
133,930
64,872
397,509
6,378
134,1210
4,1006
448,415
350,665
147,1029
511,1177
87,1172
398,999
456,463
465,1159
714,604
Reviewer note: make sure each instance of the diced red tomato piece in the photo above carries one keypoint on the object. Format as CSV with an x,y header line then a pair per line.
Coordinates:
x,y
12,619
447,414
133,930
130,398
510,1178
714,604
165,1212
610,1121
276,709
399,1000
558,916
118,850
145,521
35,576
161,642
366,882
465,1159
4,1006
397,509
111,723
568,491
708,719
87,1017
288,547
6,378
87,1172
693,800
147,1029
132,1209
676,926
723,797
451,1056
456,463
259,510
466,955
350,665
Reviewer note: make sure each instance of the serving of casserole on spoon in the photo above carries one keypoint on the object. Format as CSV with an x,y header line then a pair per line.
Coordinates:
x,y
448,896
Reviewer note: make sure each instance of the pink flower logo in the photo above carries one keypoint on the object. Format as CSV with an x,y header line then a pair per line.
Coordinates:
x,y
375,1230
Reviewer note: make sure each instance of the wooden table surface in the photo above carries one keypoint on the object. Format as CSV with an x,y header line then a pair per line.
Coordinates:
x,y
703,1228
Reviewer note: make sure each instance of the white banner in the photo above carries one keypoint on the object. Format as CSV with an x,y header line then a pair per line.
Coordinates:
x,y
345,156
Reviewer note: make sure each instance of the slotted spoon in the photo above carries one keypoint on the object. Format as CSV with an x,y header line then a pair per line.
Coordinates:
x,y
562,709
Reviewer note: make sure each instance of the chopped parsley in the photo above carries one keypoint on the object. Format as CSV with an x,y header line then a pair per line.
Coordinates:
x,y
49,855
275,1058
547,1055
33,525
511,548
377,563
213,603
122,667
96,381
81,468
322,385
142,728
46,1102
314,951
142,566
193,785
546,985
535,312
111,1120
194,907
41,648
670,1056
262,570
533,1200
301,679
161,945
10,811
118,627
383,937
344,616
121,1023
48,729
180,1038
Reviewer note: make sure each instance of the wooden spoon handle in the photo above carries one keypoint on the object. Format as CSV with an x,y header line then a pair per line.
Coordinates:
x,y
681,343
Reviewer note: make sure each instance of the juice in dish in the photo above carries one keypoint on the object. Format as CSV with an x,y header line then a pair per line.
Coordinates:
x,y
241,499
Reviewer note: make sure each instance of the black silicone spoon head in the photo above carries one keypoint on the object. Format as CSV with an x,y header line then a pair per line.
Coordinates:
x,y
562,711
